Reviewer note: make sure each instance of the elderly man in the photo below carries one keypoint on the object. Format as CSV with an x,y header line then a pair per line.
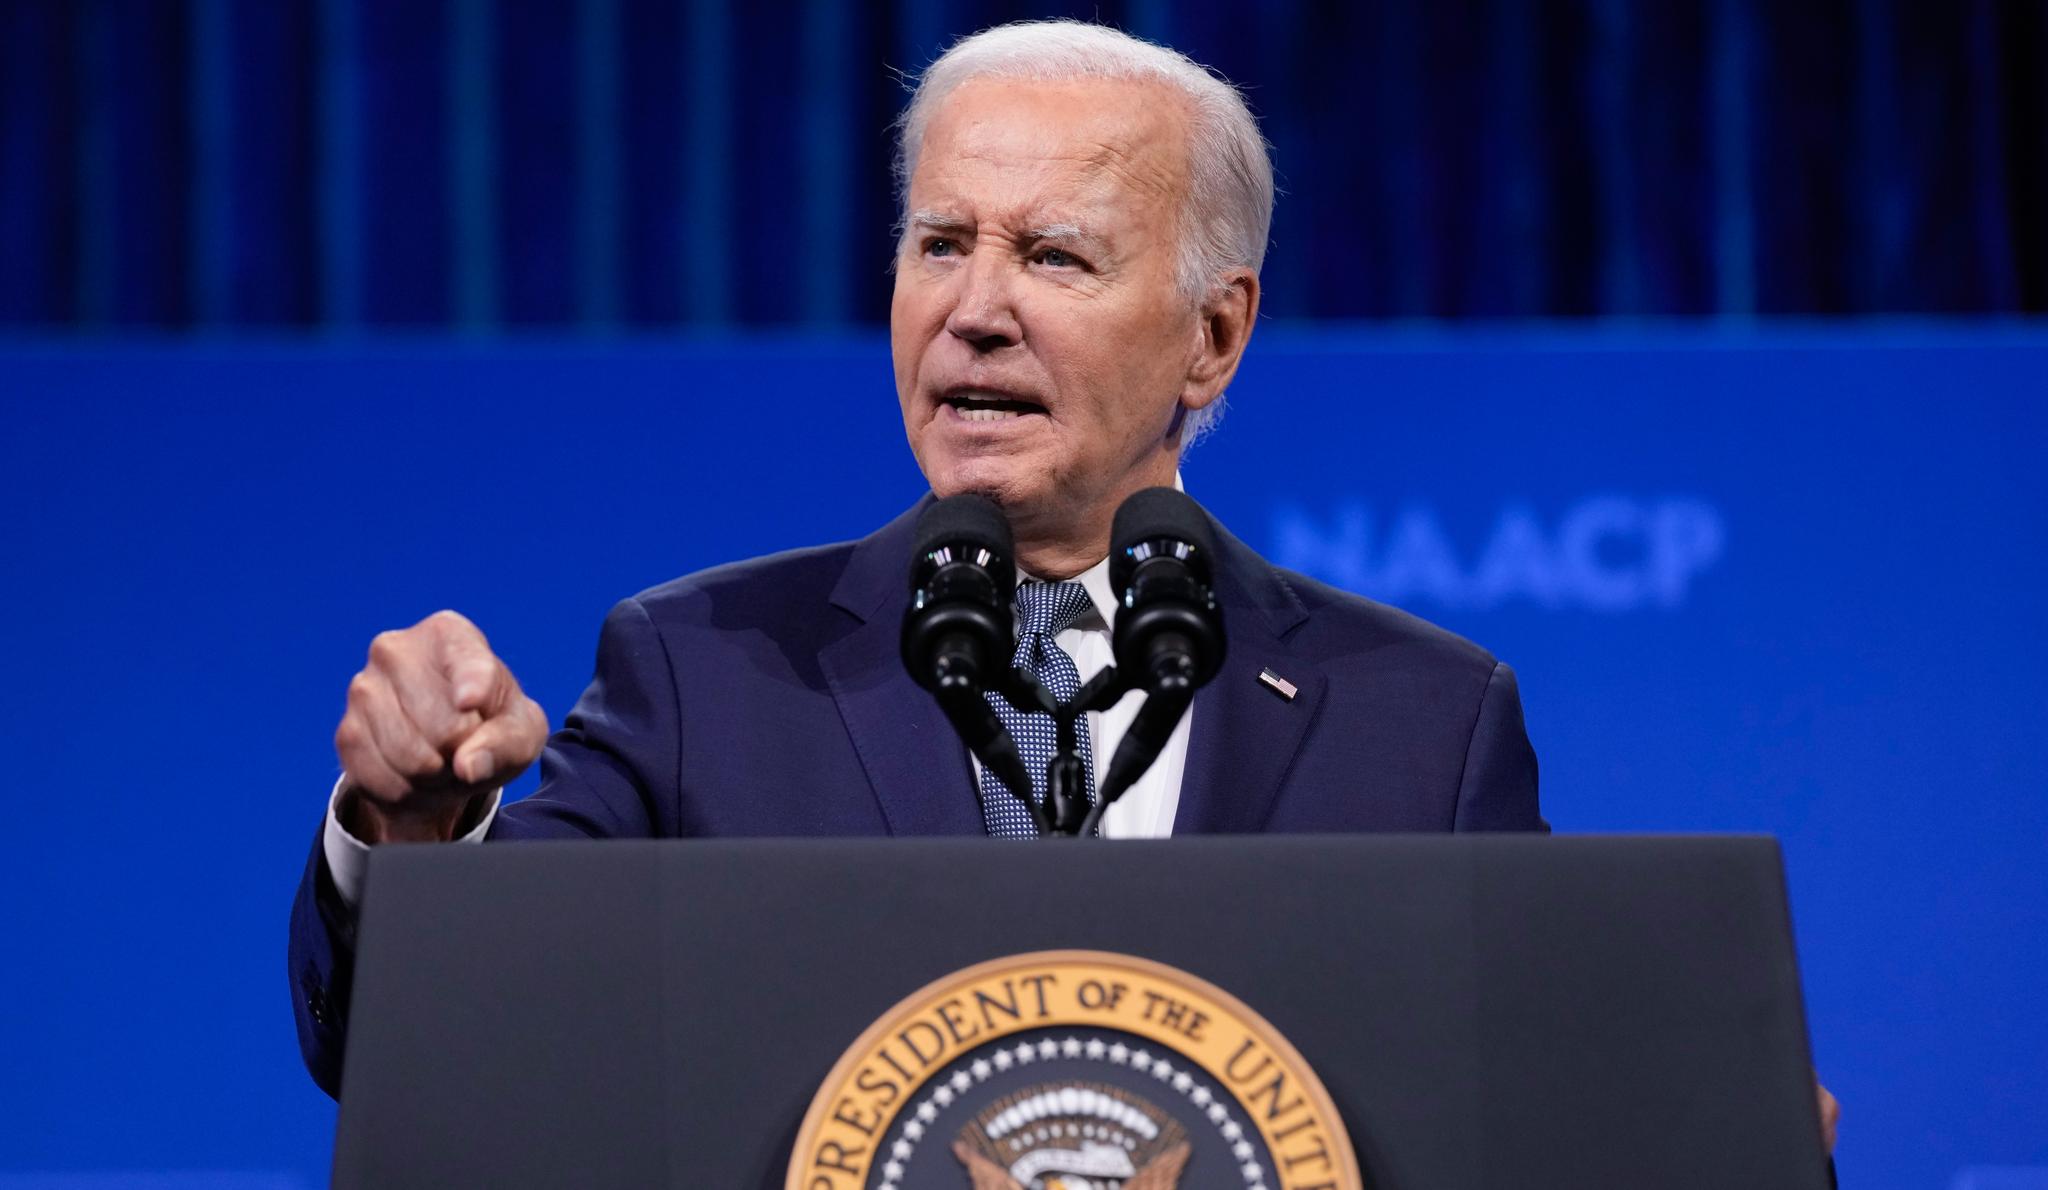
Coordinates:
x,y
1076,281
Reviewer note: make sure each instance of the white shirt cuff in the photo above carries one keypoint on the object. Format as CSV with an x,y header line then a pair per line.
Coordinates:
x,y
348,856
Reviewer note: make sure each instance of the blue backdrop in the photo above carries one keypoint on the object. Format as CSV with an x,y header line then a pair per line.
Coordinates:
x,y
1784,582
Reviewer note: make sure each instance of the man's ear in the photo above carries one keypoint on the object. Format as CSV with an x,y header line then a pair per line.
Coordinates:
x,y
1226,319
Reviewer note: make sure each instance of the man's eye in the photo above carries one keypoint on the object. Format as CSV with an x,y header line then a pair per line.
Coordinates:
x,y
942,248
1058,259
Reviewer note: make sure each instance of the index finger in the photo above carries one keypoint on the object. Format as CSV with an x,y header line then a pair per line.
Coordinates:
x,y
473,672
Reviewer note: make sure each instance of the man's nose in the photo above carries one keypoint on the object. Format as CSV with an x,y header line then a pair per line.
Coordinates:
x,y
985,315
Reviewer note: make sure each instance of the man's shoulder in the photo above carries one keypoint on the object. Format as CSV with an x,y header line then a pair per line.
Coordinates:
x,y
811,566
1342,626
814,593
778,588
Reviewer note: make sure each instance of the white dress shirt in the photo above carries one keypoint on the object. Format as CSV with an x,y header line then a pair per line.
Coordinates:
x,y
1145,811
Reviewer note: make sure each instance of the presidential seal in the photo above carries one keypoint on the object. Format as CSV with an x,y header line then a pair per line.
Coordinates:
x,y
1072,1070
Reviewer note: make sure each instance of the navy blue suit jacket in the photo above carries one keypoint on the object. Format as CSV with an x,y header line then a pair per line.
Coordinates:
x,y
767,698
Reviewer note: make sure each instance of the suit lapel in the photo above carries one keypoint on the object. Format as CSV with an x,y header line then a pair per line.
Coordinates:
x,y
916,764
1245,736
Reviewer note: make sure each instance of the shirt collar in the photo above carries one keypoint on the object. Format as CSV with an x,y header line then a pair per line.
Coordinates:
x,y
1096,580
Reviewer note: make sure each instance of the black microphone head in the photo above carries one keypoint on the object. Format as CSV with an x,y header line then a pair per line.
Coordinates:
x,y
957,628
1169,635
1156,514
969,521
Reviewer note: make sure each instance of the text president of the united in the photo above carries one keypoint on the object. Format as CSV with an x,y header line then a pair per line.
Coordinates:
x,y
1076,280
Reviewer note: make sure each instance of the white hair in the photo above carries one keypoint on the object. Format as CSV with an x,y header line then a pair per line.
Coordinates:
x,y
1228,210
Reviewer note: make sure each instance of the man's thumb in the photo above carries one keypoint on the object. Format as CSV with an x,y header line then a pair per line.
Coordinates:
x,y
502,746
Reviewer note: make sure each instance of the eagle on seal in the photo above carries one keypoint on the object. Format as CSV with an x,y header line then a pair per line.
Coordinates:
x,y
1162,1174
1073,1136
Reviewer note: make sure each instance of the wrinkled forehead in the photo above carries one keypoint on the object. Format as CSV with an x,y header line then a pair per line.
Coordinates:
x,y
1111,146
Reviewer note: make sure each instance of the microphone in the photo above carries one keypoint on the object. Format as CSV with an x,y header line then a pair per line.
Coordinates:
x,y
958,634
1169,633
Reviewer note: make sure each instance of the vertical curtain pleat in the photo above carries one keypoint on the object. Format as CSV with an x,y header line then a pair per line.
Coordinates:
x,y
539,178
597,162
260,213
403,147
213,201
472,167
339,174
651,89
40,131
2024,48
707,242
1733,97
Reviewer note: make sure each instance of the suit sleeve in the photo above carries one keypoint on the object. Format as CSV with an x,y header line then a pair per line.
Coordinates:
x,y
612,771
1498,789
609,773
318,964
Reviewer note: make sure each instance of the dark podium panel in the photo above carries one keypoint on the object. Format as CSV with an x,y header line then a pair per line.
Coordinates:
x,y
1497,1012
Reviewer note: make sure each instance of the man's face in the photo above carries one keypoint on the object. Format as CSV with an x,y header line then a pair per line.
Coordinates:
x,y
1042,348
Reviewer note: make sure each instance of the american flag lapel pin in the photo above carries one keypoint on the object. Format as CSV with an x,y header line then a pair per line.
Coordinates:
x,y
1277,684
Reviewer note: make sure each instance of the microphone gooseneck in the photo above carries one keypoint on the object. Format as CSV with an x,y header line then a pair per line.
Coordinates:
x,y
959,636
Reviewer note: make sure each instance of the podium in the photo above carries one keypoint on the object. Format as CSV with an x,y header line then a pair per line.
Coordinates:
x,y
1442,1012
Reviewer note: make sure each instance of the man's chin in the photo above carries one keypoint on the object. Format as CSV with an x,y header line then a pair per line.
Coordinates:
x,y
1011,483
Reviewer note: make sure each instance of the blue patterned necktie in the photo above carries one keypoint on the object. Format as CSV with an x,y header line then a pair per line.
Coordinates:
x,y
1043,611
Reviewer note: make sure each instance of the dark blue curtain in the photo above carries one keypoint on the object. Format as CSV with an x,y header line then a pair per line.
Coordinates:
x,y
628,164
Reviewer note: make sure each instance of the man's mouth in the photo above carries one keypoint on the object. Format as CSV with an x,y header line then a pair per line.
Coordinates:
x,y
982,406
